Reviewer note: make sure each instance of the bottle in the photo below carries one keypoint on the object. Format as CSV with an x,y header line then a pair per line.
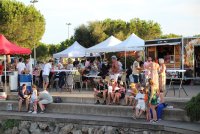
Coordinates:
x,y
9,107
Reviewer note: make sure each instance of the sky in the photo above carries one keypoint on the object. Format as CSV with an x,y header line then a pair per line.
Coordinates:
x,y
175,16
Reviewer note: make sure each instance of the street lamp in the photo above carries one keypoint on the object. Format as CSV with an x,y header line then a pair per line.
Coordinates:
x,y
33,30
68,24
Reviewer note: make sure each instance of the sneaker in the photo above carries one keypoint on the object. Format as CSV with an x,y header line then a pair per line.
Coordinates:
x,y
34,112
29,112
42,112
154,122
97,102
104,103
134,117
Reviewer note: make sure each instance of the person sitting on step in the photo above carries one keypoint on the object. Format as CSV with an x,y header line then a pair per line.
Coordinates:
x,y
139,103
101,91
120,93
130,94
44,99
24,96
111,91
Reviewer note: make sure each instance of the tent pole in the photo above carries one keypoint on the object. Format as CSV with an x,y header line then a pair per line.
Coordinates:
x,y
32,68
5,86
125,59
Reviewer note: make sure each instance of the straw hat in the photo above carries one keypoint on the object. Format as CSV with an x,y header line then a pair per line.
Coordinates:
x,y
132,85
161,61
121,83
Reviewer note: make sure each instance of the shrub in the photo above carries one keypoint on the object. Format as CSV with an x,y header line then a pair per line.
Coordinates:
x,y
10,123
193,108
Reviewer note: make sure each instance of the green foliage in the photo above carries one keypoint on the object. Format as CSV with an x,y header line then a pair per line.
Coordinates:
x,y
9,124
21,24
197,35
171,35
193,108
97,31
42,51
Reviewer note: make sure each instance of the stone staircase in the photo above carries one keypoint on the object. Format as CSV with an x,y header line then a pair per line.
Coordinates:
x,y
84,105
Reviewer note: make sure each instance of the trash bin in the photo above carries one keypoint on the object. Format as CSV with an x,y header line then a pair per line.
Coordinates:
x,y
25,79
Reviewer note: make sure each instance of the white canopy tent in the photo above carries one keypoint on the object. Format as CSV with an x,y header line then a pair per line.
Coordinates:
x,y
132,43
74,51
107,45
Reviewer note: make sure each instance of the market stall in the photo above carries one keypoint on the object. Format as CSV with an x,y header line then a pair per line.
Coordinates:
x,y
178,53
8,48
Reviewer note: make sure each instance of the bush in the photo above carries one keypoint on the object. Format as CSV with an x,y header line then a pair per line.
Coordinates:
x,y
193,108
10,123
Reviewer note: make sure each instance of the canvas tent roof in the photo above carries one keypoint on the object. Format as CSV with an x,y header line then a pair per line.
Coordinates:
x,y
104,46
132,43
7,48
74,51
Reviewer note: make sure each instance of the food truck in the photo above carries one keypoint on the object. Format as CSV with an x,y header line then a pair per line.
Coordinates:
x,y
178,53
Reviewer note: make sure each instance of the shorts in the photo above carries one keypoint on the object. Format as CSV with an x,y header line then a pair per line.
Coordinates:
x,y
45,78
45,101
122,96
135,78
100,95
114,76
141,106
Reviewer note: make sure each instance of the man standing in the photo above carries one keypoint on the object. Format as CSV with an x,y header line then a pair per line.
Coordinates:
x,y
29,67
136,70
20,66
114,68
45,74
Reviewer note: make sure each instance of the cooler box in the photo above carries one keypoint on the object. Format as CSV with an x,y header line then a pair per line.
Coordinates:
x,y
25,79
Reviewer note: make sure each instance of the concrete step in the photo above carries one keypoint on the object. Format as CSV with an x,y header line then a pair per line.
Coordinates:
x,y
92,120
176,103
100,110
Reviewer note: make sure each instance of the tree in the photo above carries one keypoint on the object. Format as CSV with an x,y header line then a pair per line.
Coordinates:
x,y
97,31
42,51
21,24
171,35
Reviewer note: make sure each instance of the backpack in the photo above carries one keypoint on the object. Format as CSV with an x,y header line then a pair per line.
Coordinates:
x,y
57,100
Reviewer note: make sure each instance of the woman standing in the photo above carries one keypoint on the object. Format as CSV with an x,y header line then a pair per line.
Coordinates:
x,y
154,69
162,75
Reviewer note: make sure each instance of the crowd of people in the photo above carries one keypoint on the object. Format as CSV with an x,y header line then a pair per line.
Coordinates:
x,y
146,80
147,84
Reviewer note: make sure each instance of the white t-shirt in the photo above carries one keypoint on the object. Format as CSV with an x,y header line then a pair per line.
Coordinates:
x,y
29,67
60,65
47,69
120,66
20,67
140,98
135,66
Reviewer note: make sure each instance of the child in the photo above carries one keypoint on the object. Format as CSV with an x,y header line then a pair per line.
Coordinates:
x,y
146,91
101,91
34,100
111,90
153,100
130,95
161,105
140,107
119,93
